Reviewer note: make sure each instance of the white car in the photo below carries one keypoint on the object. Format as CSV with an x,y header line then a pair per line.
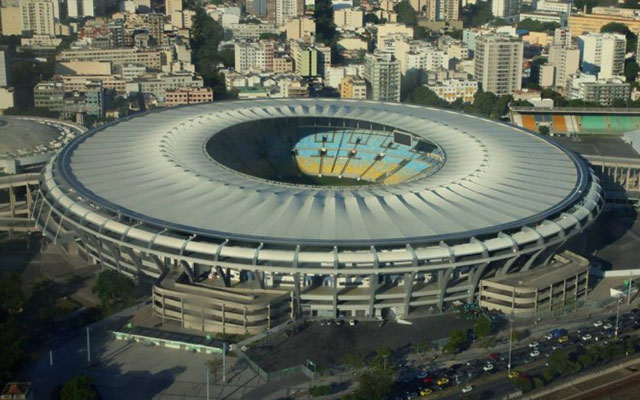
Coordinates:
x,y
586,337
548,336
467,389
352,322
534,344
488,367
598,324
607,326
535,353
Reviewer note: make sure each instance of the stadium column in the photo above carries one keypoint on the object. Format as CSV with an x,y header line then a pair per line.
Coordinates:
x,y
12,201
30,201
188,270
444,275
443,281
373,283
409,277
335,295
137,261
474,277
115,254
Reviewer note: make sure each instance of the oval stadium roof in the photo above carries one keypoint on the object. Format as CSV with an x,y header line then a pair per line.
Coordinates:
x,y
154,167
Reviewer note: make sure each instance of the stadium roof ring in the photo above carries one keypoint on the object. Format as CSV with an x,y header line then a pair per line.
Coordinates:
x,y
209,182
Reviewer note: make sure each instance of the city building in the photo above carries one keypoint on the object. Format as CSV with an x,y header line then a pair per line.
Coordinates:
x,y
440,10
396,30
282,63
250,31
353,87
505,9
419,55
300,28
566,61
564,282
562,37
589,88
10,18
49,94
172,6
189,95
545,16
348,19
580,23
310,60
602,54
254,56
382,72
38,17
558,6
152,59
5,67
451,90
498,63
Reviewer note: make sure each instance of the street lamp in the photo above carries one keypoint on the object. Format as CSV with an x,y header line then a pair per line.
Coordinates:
x,y
510,342
620,300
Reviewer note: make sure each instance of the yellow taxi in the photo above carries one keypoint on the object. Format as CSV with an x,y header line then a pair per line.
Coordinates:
x,y
425,392
563,339
514,374
442,381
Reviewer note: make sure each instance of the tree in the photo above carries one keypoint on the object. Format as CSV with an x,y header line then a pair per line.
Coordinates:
x,y
11,296
374,385
477,14
383,359
215,368
325,27
406,14
317,391
458,341
353,360
372,18
631,70
483,328
616,27
114,289
79,387
269,36
424,96
536,26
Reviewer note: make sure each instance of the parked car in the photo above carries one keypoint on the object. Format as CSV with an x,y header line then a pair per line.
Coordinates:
x,y
488,367
352,322
467,389
563,339
586,337
442,381
598,323
608,325
426,392
534,344
514,374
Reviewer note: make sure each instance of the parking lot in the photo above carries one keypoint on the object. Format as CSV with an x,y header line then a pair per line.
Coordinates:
x,y
326,346
488,376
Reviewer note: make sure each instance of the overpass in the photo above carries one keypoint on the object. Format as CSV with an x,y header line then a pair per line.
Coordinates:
x,y
620,178
577,121
16,202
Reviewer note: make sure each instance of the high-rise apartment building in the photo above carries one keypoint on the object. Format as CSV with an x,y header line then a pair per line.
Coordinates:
x,y
498,63
506,9
352,87
382,73
4,69
566,61
171,6
562,37
10,18
253,56
38,16
309,60
443,10
281,11
348,18
602,54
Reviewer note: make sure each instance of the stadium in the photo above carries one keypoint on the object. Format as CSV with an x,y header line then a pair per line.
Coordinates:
x,y
247,213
